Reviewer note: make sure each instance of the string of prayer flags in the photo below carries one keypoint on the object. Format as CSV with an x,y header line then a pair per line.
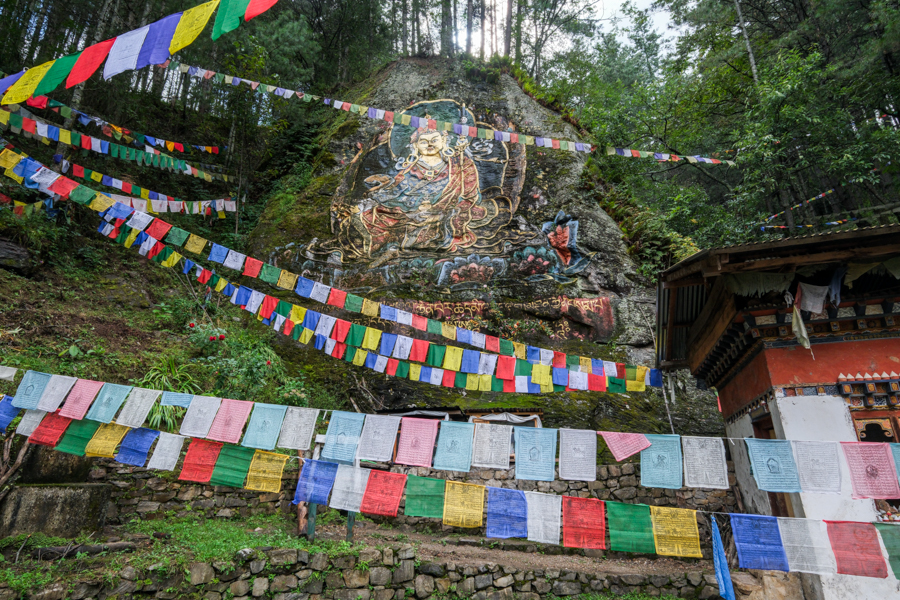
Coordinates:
x,y
50,430
136,446
623,445
298,427
872,470
424,497
137,407
30,389
264,427
773,465
807,546
890,537
77,437
342,437
383,493
315,482
661,462
856,549
349,488
578,454
265,472
416,443
231,466
507,513
720,562
8,412
664,157
758,542
105,441
675,531
229,421
583,522
544,517
55,392
491,446
463,504
108,402
535,453
200,460
199,416
80,398
704,463
168,449
30,421
379,434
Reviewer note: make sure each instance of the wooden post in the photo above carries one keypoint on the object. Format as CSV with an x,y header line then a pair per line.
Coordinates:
x,y
311,523
351,520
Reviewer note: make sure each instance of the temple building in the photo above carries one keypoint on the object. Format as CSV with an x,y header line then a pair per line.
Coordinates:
x,y
800,337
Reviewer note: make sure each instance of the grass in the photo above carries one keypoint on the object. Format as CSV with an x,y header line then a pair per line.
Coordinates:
x,y
628,596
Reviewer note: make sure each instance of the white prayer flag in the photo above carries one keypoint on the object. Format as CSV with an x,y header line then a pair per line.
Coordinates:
x,y
137,407
380,363
139,220
819,467
8,373
123,55
544,517
199,416
402,347
329,345
437,376
577,455
55,392
349,487
160,206
522,384
298,427
40,128
256,299
325,325
404,318
95,145
147,245
378,437
320,292
578,380
167,452
491,446
807,546
487,363
546,356
704,463
30,420
478,339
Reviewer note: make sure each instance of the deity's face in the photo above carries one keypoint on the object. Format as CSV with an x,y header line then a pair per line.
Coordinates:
x,y
430,144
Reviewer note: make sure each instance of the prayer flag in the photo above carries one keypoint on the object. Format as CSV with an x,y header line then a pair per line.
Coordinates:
x,y
200,460
315,482
583,522
229,421
890,536
872,470
704,463
8,412
30,389
424,497
535,453
176,399
137,407
88,61
30,421
136,446
491,446
454,447
416,443
199,416
22,89
349,488
105,441
577,454
623,445
80,398
856,548
544,517
758,542
55,75
191,24
123,55
630,528
265,472
661,462
720,562
265,426
155,50
773,465
108,401
807,546
507,513
54,392
168,449
675,531
50,430
379,435
383,493
232,466
342,437
77,436
463,504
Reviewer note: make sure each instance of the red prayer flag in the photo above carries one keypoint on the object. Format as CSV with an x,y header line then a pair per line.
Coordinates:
x,y
4,199
337,297
50,430
179,146
391,368
252,267
506,368
559,360
29,125
383,493
492,343
80,398
432,124
623,445
37,101
18,210
339,349
419,351
555,144
205,274
514,138
509,386
156,249
63,186
856,549
88,62
596,383
229,421
126,187
158,229
288,327
340,329
86,142
621,373
635,153
268,307
389,116
449,379
584,522
78,171
258,7
420,322
872,471
200,460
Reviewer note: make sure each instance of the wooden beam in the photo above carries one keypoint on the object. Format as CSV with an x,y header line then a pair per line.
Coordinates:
x,y
670,324
715,318
763,264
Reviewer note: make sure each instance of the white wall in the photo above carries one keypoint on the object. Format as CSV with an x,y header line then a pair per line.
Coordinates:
x,y
756,501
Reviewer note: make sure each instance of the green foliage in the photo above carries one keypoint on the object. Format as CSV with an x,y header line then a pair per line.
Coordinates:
x,y
169,375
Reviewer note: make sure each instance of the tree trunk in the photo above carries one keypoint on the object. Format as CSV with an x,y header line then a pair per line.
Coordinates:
x,y
519,32
469,8
454,38
415,28
405,27
508,37
483,27
445,28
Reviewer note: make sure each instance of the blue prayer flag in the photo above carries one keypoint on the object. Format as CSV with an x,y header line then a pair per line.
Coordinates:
x,y
463,336
535,453
507,513
188,265
228,290
218,253
310,320
319,341
155,50
8,412
304,287
342,437
425,374
108,401
560,376
243,296
773,465
758,542
533,388
597,367
388,313
30,389
661,462
387,343
136,446
176,399
106,180
723,576
454,446
315,482
264,427
371,359
656,378
533,355
470,360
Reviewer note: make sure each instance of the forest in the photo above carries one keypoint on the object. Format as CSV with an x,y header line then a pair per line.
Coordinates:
x,y
801,95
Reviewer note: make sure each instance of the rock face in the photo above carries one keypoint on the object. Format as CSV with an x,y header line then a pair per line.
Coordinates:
x,y
57,510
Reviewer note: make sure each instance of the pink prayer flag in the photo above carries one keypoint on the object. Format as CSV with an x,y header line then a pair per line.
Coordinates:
x,y
79,399
872,471
229,421
416,444
623,445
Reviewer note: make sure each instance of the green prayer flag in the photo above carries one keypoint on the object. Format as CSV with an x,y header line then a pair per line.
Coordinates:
x,y
348,356
140,138
270,274
460,379
402,370
307,98
296,331
356,334
177,236
82,195
15,120
232,466
212,280
496,384
630,528
77,436
484,133
507,348
229,17
353,303
433,327
88,174
435,356
64,111
114,150
220,77
523,367
559,388
563,145
124,231
615,385
890,535
74,136
424,497
354,108
573,360
630,372
284,308
156,160
166,252
57,73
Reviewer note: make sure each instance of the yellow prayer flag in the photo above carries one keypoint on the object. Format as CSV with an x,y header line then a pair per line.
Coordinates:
x,y
145,194
359,359
4,117
485,383
65,137
21,90
472,382
540,374
584,363
190,25
529,141
101,202
448,330
95,176
105,440
453,358
298,313
519,350
287,280
46,141
415,371
371,339
369,308
675,531
9,173
463,504
9,159
129,241
306,335
641,373
220,285
170,145
195,244
635,386
173,260
547,387
265,471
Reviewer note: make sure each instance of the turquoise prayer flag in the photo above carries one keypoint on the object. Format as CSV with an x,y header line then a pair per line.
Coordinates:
x,y
108,401
342,437
661,462
264,427
535,453
29,392
773,465
454,447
